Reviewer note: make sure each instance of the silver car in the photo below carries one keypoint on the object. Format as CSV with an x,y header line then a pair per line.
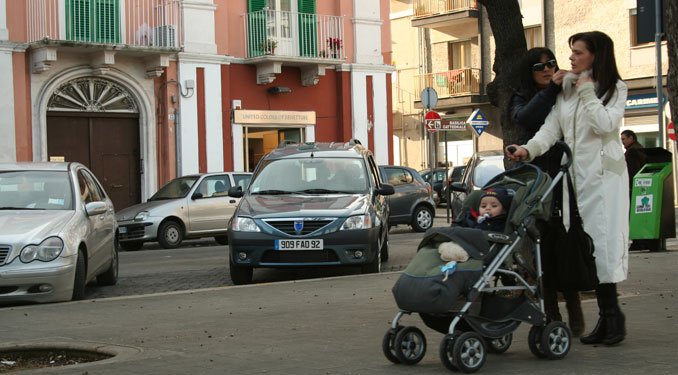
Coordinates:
x,y
58,232
187,207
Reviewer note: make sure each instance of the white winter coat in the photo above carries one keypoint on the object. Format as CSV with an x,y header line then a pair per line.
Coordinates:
x,y
598,169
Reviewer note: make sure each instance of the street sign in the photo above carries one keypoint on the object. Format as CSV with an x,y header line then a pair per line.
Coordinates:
x,y
429,98
478,121
671,131
432,120
447,125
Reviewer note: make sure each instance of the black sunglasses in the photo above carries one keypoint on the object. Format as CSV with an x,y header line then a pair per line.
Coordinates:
x,y
538,67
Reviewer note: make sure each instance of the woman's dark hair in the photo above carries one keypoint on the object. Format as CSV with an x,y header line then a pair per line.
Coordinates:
x,y
605,71
533,56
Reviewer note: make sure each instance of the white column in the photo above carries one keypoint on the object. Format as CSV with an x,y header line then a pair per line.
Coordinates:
x,y
199,28
188,127
367,25
4,34
213,120
7,121
380,128
359,105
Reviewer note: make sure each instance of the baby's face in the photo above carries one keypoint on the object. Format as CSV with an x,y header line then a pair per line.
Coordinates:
x,y
491,206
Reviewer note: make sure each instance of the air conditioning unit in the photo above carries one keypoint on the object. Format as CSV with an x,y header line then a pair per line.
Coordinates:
x,y
165,36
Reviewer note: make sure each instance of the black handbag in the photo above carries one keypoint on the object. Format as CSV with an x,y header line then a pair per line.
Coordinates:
x,y
574,263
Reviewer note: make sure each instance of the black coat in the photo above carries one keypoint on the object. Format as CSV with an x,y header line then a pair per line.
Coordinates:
x,y
530,115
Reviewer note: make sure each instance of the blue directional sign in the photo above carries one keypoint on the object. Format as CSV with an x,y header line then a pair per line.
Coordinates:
x,y
478,121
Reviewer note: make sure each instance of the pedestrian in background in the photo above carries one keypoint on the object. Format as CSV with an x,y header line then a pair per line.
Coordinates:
x,y
635,159
540,84
588,114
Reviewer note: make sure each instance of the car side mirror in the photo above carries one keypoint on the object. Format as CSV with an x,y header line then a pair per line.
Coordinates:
x,y
386,189
196,195
96,208
235,192
458,186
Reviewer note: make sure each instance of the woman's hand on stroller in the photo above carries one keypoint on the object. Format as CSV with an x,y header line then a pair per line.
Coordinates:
x,y
516,153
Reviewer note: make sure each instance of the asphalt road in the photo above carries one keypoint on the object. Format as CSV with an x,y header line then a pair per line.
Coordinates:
x,y
200,264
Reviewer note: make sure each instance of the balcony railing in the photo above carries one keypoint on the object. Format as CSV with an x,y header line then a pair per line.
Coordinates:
x,y
142,23
293,34
426,8
458,82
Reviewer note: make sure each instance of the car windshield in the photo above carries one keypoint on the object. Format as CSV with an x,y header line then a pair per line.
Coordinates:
x,y
177,188
35,190
242,180
486,169
311,176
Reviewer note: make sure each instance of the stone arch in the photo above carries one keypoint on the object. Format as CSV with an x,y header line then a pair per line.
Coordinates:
x,y
144,106
92,94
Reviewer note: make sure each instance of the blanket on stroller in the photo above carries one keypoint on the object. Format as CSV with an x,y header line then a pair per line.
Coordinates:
x,y
426,286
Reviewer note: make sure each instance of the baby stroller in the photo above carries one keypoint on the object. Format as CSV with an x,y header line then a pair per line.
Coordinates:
x,y
484,300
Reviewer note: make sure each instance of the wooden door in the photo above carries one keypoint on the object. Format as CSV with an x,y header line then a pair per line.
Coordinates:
x,y
108,146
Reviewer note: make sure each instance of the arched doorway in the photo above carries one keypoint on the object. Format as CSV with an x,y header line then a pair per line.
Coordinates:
x,y
95,121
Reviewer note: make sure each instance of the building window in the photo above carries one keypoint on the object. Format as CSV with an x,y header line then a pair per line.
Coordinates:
x,y
459,55
93,21
533,37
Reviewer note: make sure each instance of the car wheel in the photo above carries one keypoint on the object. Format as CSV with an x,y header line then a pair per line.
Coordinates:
x,y
422,219
221,240
80,277
384,249
110,276
131,245
170,234
374,266
240,275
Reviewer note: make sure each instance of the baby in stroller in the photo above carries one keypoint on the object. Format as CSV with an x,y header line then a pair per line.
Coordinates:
x,y
482,298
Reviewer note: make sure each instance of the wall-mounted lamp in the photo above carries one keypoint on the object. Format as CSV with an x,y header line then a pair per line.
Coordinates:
x,y
278,90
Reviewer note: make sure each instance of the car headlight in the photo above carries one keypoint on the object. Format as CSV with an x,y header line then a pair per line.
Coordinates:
x,y
357,222
48,250
244,224
141,216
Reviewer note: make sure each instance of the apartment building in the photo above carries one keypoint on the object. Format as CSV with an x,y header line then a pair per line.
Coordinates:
x,y
142,91
455,53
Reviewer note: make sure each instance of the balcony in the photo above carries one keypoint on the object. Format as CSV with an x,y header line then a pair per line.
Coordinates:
x,y
462,86
443,13
310,41
103,25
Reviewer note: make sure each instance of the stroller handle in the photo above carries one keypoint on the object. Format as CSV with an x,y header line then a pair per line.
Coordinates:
x,y
568,152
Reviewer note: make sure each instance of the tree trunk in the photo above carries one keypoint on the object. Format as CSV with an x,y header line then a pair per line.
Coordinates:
x,y
507,26
672,45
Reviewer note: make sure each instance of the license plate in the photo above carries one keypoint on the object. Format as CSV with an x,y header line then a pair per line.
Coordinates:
x,y
122,229
298,244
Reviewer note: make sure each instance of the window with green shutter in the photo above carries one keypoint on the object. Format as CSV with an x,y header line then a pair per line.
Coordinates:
x,y
93,21
256,27
308,36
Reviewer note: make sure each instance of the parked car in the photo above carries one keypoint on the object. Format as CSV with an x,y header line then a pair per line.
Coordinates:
x,y
191,206
479,170
312,205
58,232
440,182
411,203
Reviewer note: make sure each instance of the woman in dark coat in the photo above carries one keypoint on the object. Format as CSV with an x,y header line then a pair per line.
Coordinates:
x,y
540,83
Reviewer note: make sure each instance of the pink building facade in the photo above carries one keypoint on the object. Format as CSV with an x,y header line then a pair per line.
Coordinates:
x,y
142,91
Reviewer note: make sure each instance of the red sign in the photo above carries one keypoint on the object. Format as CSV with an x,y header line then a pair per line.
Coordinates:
x,y
671,131
432,120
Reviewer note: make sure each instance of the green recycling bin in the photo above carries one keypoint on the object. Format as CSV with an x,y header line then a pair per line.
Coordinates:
x,y
652,217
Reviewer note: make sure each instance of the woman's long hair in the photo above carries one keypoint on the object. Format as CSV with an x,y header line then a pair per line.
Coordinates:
x,y
605,71
528,88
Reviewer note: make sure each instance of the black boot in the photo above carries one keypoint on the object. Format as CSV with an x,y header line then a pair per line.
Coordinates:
x,y
551,305
615,327
575,316
598,334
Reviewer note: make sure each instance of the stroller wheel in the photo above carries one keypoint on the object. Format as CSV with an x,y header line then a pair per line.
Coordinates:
x,y
534,341
465,353
499,345
556,340
409,345
446,353
387,344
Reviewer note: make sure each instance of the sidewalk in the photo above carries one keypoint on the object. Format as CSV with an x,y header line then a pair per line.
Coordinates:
x,y
325,326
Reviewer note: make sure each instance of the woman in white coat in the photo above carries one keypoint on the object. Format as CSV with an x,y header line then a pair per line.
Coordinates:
x,y
588,114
